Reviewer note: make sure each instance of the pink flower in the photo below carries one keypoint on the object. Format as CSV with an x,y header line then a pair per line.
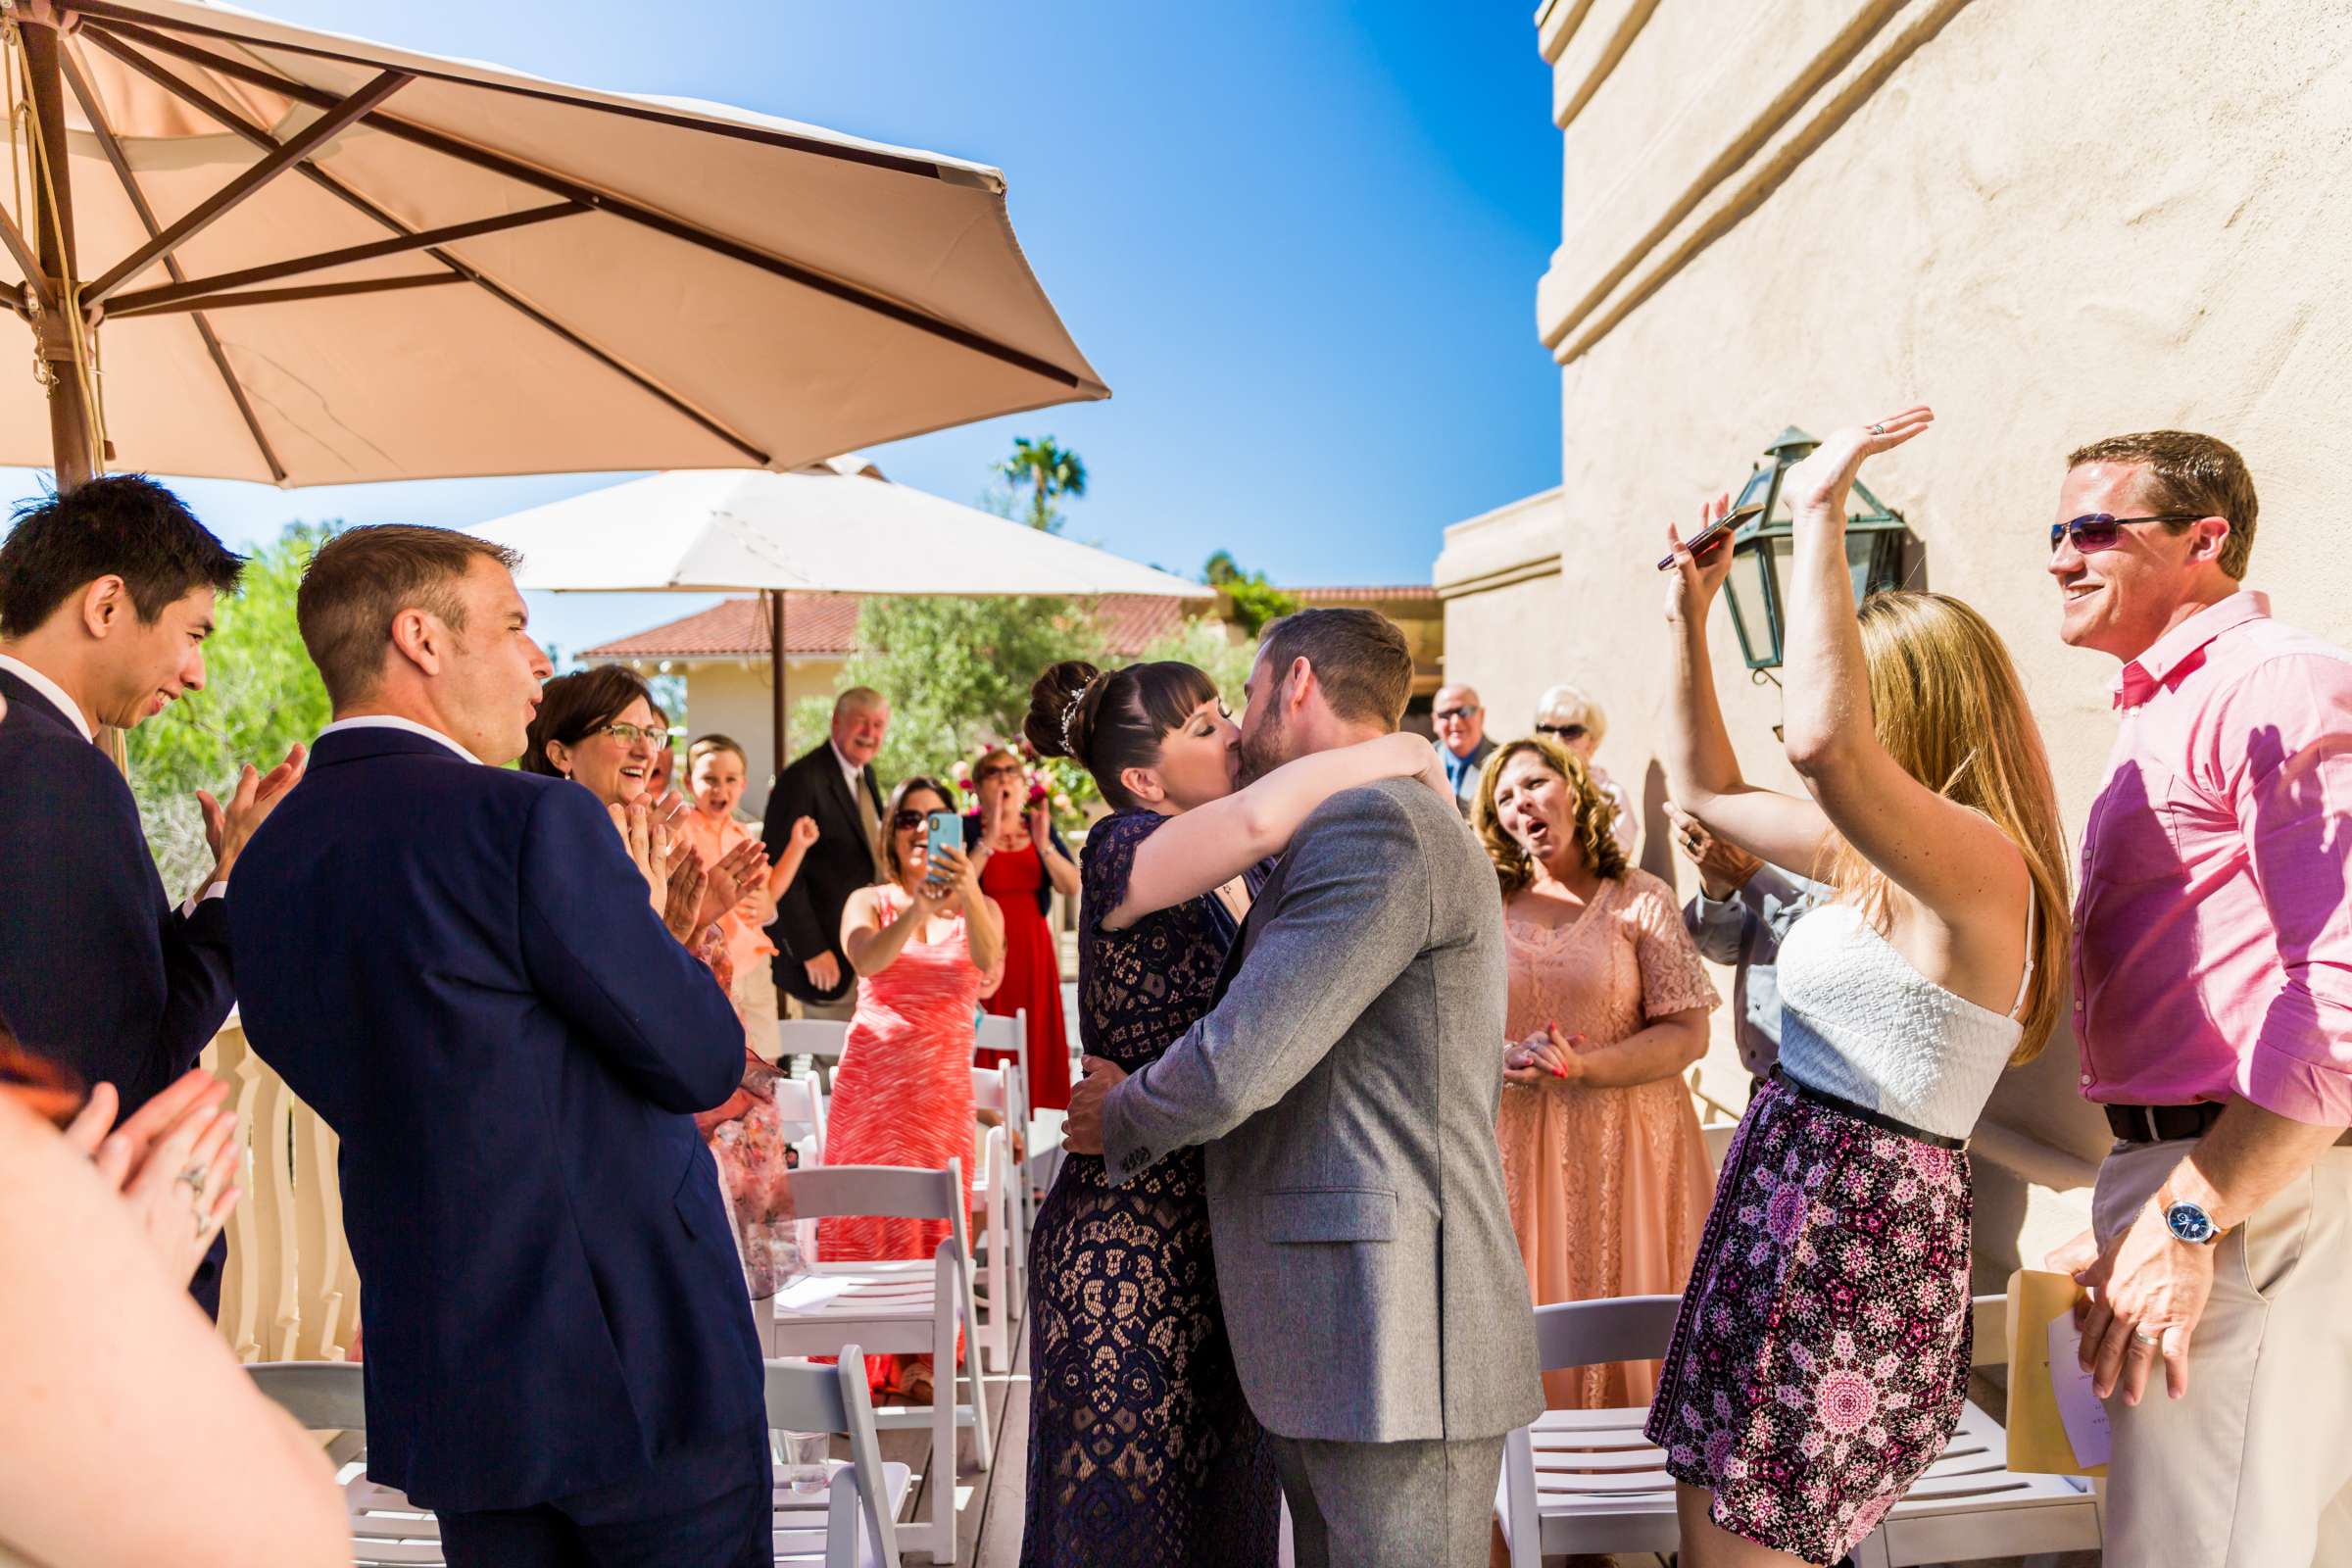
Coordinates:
x,y
1846,1403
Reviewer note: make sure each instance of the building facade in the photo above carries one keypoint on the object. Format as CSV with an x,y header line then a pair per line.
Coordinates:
x,y
2050,223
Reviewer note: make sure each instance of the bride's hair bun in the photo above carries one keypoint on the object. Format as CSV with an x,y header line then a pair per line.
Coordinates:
x,y
1061,717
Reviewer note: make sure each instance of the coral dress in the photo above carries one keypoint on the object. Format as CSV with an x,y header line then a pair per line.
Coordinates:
x,y
902,1095
1608,1187
1032,973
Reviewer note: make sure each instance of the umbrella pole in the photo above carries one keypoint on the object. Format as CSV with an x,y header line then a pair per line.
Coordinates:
x,y
778,718
69,422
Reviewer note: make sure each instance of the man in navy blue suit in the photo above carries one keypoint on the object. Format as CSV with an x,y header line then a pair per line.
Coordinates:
x,y
106,597
461,968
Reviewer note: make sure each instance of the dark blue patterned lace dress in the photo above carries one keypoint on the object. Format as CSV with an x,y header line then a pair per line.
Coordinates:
x,y
1142,1450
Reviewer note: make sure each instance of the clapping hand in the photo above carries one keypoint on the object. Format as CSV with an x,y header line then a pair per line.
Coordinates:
x,y
1082,1131
685,890
743,867
174,1161
228,828
1039,821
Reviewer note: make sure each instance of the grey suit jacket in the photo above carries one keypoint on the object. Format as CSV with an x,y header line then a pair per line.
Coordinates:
x,y
1347,1087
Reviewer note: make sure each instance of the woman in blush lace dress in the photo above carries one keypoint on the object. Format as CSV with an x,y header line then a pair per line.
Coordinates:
x,y
1141,1451
1601,1150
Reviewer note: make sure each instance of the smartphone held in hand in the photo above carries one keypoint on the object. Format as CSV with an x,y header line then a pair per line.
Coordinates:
x,y
1706,539
943,831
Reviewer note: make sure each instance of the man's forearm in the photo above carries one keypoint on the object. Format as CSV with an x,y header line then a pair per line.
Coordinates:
x,y
2245,1159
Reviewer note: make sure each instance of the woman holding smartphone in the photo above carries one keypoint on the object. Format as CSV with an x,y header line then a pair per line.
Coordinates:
x,y
926,945
1820,1360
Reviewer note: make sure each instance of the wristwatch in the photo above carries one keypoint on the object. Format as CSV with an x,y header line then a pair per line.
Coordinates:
x,y
2191,1224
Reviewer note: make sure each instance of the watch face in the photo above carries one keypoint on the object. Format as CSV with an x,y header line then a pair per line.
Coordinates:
x,y
2189,1223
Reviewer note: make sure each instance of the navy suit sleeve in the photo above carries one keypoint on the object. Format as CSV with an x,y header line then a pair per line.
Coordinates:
x,y
599,954
196,967
797,921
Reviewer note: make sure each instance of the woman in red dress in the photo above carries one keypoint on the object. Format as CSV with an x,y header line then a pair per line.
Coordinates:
x,y
1024,866
925,951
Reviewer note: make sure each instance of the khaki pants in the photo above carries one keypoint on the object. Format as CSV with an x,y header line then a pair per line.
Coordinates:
x,y
2251,1469
754,1000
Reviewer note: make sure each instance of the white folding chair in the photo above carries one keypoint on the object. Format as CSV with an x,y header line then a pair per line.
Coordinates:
x,y
1039,1160
909,1307
1589,1481
801,1103
819,1039
853,1522
386,1527
1000,1223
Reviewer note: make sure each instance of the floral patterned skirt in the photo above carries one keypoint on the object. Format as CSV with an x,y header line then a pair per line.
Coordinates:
x,y
1821,1357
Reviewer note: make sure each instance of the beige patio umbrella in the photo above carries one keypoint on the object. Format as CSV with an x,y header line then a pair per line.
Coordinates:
x,y
255,251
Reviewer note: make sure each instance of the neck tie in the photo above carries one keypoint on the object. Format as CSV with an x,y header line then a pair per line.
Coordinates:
x,y
873,823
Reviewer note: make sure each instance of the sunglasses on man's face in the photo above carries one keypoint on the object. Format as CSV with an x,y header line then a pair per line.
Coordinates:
x,y
1444,714
2102,530
1562,732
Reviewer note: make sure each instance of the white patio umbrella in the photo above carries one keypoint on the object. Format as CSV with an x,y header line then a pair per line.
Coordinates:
x,y
837,528
251,250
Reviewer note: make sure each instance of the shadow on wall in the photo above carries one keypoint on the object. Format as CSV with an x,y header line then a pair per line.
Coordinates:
x,y
1657,852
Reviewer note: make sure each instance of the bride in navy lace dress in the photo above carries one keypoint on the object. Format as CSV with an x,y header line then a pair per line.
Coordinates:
x,y
1142,1448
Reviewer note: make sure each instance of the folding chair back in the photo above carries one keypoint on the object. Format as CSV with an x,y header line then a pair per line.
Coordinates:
x,y
386,1527
862,1498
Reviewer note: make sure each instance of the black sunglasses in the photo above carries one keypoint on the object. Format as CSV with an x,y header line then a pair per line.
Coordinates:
x,y
1455,713
909,820
2099,530
1565,732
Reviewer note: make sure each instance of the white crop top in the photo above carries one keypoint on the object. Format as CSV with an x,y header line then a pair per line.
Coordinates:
x,y
1859,1022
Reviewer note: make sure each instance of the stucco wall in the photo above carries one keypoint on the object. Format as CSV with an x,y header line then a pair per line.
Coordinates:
x,y
2051,222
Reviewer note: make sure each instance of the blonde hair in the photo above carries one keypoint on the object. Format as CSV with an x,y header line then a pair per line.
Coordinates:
x,y
1948,707
704,744
1572,706
1595,814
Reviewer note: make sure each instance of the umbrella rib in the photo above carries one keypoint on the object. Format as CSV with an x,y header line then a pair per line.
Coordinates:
x,y
95,113
474,274
620,207
22,249
144,299
284,296
340,113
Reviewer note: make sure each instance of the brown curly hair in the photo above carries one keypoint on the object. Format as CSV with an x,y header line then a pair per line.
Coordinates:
x,y
1594,817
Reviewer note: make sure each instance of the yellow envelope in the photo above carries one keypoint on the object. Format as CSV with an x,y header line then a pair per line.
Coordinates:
x,y
2038,1443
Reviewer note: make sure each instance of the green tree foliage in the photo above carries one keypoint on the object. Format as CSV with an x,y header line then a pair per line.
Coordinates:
x,y
260,695
1254,600
956,672
1048,470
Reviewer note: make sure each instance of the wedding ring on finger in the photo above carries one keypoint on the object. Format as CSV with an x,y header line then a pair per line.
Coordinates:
x,y
194,1177
2147,1337
1878,430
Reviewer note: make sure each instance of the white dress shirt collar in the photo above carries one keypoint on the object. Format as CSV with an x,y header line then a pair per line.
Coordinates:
x,y
850,770
394,721
66,705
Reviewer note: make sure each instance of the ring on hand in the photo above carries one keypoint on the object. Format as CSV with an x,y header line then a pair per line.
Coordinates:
x,y
194,1177
1878,430
2141,1336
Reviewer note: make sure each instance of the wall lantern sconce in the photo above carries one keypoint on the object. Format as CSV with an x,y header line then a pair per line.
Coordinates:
x,y
1875,541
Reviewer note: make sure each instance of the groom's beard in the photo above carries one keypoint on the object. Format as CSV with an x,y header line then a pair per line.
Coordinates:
x,y
1263,750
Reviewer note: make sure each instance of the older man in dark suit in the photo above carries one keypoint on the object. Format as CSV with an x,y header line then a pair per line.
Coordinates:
x,y
835,784
106,597
460,966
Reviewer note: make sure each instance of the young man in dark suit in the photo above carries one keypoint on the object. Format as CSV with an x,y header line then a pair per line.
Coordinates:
x,y
462,969
106,597
835,784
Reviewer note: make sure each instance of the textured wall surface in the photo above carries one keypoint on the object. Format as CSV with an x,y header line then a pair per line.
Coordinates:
x,y
2052,223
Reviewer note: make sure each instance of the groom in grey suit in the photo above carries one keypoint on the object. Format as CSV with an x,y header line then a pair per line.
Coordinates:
x,y
1347,1086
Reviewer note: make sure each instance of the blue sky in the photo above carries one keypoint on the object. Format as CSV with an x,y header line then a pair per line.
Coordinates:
x,y
1300,241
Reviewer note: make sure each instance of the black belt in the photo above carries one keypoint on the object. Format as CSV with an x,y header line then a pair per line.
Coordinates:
x,y
1863,1113
2161,1125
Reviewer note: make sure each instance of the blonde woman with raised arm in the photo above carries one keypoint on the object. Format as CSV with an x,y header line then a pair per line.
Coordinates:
x,y
1821,1358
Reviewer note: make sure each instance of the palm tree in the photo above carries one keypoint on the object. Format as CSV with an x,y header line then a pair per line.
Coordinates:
x,y
1050,470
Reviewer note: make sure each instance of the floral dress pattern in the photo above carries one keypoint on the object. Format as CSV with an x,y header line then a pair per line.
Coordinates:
x,y
1820,1361
1141,1451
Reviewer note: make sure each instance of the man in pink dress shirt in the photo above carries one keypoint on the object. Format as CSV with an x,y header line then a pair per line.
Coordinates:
x,y
2213,1004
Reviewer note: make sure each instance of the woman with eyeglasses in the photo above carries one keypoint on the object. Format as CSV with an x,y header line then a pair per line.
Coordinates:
x,y
1567,717
927,944
1027,864
1820,1360
600,729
